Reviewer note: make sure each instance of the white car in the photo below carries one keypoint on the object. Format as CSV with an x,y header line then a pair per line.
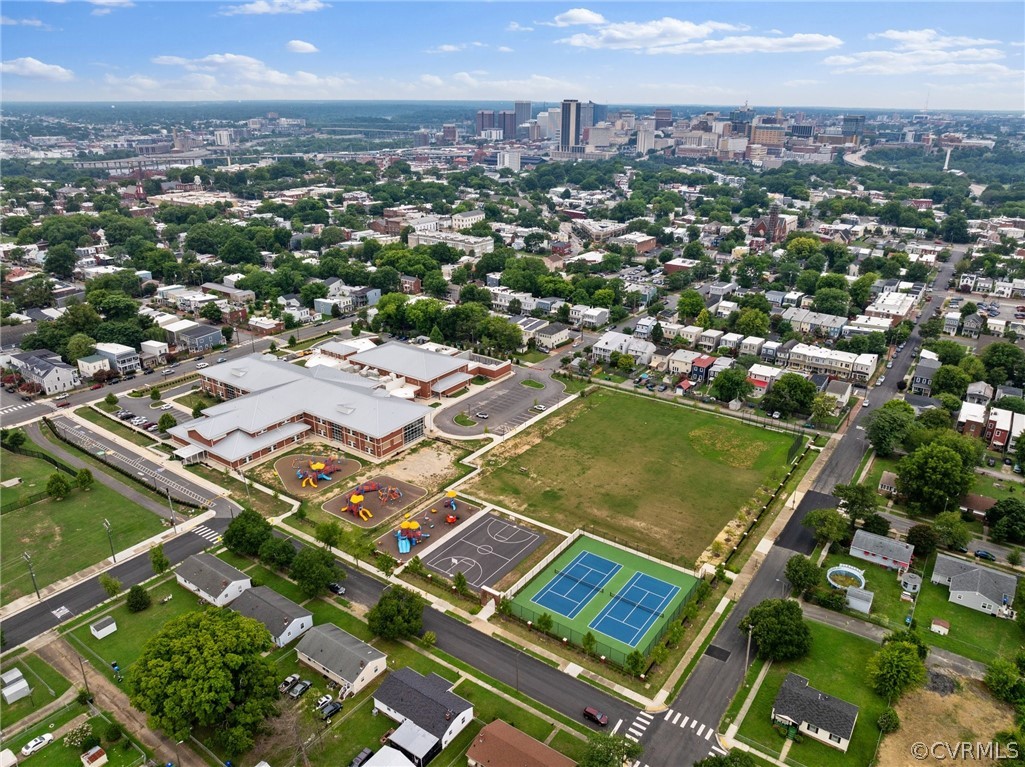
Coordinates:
x,y
166,406
36,744
201,365
322,701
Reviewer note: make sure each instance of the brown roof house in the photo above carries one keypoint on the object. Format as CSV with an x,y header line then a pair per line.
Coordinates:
x,y
500,744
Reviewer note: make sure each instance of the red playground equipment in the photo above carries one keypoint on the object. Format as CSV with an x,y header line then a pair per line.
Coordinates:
x,y
368,487
315,469
388,494
355,507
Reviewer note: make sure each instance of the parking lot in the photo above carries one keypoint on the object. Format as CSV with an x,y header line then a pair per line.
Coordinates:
x,y
507,404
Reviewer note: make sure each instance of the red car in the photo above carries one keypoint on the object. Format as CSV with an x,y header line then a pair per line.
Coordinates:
x,y
64,404
96,386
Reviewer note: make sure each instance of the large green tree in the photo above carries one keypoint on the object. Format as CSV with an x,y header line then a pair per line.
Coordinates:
x,y
778,629
398,614
951,530
731,384
247,533
802,573
312,569
888,426
828,525
895,669
206,670
791,393
933,477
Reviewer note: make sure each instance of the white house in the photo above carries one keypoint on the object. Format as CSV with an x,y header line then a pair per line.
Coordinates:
x,y
976,587
613,341
347,661
815,714
551,336
212,579
285,620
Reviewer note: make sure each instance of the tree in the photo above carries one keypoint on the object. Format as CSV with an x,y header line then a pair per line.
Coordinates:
x,y
166,422
212,312
790,394
856,501
778,629
158,559
752,322
312,569
802,573
896,669
398,614
832,301
933,476
58,487
329,533
1006,520
626,363
609,751
951,530
277,553
924,538
889,425
138,599
734,758
110,399
950,380
246,533
1014,556
731,384
828,525
876,524
690,304
60,260
110,584
888,721
84,479
1003,678
228,332
154,394
78,346
910,637
822,407
206,670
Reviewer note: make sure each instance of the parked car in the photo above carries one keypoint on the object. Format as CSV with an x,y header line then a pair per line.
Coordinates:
x,y
297,691
96,386
36,744
222,359
361,758
61,396
596,716
287,684
1008,462
336,588
991,461
663,387
166,406
482,416
983,554
148,372
539,408
63,404
881,380
776,415
201,365
864,402
199,358
330,710
322,701
889,364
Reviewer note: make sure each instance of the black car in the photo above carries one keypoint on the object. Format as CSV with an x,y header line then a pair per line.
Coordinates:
x,y
362,757
983,554
336,588
330,710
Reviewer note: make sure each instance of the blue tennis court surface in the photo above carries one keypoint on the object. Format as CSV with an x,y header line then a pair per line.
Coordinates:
x,y
630,613
576,584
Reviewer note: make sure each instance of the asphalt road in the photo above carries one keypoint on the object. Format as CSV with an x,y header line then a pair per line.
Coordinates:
x,y
507,404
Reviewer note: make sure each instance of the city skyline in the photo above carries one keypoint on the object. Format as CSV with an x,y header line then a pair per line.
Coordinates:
x,y
944,56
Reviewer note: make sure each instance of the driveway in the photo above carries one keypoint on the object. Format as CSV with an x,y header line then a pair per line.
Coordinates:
x,y
508,404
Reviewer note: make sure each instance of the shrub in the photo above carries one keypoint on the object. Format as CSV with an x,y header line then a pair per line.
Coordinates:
x,y
429,639
112,732
138,599
888,721
78,737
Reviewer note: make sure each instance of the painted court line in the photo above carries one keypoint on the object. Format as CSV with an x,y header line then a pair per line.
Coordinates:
x,y
557,592
449,552
626,596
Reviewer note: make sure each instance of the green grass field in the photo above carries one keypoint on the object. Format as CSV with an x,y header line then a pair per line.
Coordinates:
x,y
661,478
46,682
574,628
115,427
32,472
845,680
66,536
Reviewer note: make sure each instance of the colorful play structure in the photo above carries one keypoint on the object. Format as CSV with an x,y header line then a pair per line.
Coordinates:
x,y
314,470
409,535
388,494
368,487
355,506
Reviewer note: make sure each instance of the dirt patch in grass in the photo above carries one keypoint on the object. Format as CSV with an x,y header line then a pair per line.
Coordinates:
x,y
969,714
287,467
431,466
720,442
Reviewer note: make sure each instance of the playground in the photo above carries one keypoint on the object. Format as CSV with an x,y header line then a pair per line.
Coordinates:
x,y
305,475
374,501
427,525
484,550
622,599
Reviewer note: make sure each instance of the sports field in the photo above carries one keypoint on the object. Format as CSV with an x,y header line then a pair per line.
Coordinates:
x,y
624,600
659,477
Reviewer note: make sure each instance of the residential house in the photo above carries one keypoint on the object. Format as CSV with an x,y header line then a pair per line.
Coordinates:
x,y
951,323
613,341
752,345
725,308
123,359
429,714
212,579
660,358
731,341
973,325
91,365
842,390
46,369
528,327
346,660
921,381
594,317
824,325
976,587
285,620
410,285
551,336
200,338
720,364
1003,428
710,339
265,326
888,483
815,714
691,334
501,745
769,351
881,550
679,362
979,393
700,369
719,290
971,419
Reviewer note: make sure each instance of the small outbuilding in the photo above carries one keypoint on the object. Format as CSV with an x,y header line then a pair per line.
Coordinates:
x,y
94,757
15,687
940,627
860,600
104,627
911,582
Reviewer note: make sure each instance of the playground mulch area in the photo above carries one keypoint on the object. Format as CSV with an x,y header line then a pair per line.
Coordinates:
x,y
286,467
380,510
432,524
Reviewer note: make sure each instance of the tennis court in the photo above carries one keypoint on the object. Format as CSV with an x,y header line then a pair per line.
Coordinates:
x,y
631,612
576,584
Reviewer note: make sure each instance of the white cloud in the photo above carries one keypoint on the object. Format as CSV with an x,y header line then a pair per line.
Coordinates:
x,y
504,49
801,83
233,75
301,46
515,26
455,47
273,7
30,67
648,35
477,85
105,7
575,17
919,39
7,21
432,80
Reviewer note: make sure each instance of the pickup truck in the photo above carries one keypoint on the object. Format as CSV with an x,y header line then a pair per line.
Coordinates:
x,y
290,680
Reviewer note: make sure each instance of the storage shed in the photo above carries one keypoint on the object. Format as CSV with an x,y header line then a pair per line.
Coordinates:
x,y
104,627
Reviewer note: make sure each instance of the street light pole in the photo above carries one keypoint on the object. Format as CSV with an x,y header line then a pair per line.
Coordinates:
x,y
28,558
110,540
747,653
171,509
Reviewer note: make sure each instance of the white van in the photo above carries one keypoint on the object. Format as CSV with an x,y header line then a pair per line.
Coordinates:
x,y
201,365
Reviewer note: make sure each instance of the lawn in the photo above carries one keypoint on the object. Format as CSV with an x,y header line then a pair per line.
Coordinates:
x,y
125,645
531,356
66,536
263,503
464,420
845,680
52,722
118,755
998,488
33,473
115,427
46,685
194,398
636,469
887,609
530,383
487,707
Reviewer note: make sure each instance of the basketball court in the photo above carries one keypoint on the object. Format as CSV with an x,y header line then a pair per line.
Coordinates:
x,y
484,551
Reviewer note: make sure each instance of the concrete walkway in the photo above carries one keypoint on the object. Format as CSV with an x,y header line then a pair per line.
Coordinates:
x,y
41,713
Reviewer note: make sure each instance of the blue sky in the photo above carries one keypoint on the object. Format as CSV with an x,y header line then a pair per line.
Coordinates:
x,y
955,55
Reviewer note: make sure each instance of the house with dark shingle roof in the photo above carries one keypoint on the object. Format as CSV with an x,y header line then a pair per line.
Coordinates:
x,y
212,579
349,662
430,715
881,550
815,714
972,585
284,619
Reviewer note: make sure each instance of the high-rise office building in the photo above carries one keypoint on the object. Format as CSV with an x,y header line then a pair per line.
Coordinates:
x,y
663,118
645,141
854,125
522,109
505,121
569,136
586,114
600,113
485,120
449,133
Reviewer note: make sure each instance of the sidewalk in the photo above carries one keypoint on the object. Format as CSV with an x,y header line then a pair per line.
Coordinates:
x,y
41,713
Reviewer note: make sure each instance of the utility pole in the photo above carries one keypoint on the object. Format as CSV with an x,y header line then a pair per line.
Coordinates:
x,y
747,653
171,509
85,679
28,558
110,540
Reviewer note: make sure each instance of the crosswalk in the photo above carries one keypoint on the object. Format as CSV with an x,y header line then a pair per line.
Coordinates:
x,y
206,533
13,408
635,730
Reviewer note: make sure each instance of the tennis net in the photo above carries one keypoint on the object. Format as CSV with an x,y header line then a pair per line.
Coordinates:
x,y
568,574
621,598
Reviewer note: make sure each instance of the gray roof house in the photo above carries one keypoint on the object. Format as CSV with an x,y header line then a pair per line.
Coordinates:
x,y
815,714
212,579
285,620
881,550
979,393
972,585
921,383
429,713
349,662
